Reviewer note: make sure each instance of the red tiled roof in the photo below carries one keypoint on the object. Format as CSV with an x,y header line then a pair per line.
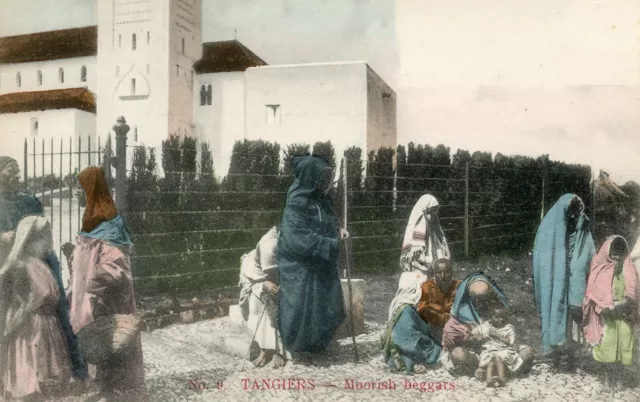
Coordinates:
x,y
52,45
226,56
70,98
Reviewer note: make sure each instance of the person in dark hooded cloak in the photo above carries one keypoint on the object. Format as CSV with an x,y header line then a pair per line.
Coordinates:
x,y
311,302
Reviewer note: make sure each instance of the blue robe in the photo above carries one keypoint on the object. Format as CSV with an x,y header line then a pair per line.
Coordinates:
x,y
13,208
463,309
310,303
407,340
560,267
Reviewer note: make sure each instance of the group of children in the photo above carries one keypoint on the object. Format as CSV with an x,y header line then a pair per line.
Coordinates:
x,y
584,301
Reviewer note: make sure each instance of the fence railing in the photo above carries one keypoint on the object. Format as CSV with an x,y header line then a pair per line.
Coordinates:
x,y
190,230
50,171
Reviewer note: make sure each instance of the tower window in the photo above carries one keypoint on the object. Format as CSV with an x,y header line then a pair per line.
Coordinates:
x,y
34,126
182,46
39,77
83,74
18,80
203,96
133,86
273,115
209,94
133,42
61,75
177,70
148,37
120,40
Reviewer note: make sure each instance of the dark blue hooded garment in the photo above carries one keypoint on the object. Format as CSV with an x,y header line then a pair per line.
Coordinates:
x,y
311,304
13,208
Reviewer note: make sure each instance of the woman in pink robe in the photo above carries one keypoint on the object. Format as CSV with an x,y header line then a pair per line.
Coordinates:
x,y
102,281
34,356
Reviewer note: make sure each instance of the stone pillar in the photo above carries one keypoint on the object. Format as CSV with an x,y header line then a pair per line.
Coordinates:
x,y
121,129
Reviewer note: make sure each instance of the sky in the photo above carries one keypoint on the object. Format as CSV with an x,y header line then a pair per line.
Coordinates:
x,y
557,77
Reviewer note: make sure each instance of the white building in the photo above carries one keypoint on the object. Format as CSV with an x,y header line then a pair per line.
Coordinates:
x,y
154,69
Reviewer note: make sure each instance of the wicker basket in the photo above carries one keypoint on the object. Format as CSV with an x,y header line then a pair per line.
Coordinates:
x,y
109,338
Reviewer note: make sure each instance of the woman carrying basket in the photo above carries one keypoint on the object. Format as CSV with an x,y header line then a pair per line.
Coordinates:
x,y
102,283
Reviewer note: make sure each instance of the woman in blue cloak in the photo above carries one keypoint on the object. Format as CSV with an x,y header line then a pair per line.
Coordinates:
x,y
562,253
311,303
15,205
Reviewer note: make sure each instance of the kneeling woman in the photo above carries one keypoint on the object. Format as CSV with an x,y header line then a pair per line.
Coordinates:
x,y
102,281
408,338
610,309
34,354
477,338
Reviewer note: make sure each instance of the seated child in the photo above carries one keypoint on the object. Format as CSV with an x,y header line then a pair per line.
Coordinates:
x,y
500,355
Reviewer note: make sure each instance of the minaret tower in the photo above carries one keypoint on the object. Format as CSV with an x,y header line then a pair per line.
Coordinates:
x,y
146,52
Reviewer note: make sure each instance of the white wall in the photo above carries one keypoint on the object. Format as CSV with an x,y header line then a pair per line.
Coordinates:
x,y
58,125
381,114
319,102
221,124
50,76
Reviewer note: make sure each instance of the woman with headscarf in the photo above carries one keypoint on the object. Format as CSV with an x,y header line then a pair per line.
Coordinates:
x,y
34,354
16,204
424,240
610,309
562,252
408,338
311,306
467,336
102,282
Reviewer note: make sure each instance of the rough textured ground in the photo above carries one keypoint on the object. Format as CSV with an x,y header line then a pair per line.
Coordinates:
x,y
184,362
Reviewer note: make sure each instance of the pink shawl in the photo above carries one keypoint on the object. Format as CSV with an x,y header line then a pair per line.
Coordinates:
x,y
102,282
599,294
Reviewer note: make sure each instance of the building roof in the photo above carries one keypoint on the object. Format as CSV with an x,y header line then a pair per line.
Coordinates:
x,y
52,45
69,98
226,56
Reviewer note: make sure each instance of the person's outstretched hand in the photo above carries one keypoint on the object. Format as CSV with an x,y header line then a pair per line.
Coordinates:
x,y
343,233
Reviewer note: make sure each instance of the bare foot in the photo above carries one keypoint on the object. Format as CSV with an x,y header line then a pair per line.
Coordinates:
x,y
261,360
278,361
495,382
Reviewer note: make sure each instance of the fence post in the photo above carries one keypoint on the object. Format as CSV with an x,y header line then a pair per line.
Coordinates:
x,y
544,176
395,187
593,203
345,181
26,153
121,128
107,158
466,211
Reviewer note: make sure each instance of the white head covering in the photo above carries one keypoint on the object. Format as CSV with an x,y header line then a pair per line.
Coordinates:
x,y
409,291
29,229
436,244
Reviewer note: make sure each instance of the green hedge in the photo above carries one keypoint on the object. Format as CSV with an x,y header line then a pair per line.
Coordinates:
x,y
191,230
